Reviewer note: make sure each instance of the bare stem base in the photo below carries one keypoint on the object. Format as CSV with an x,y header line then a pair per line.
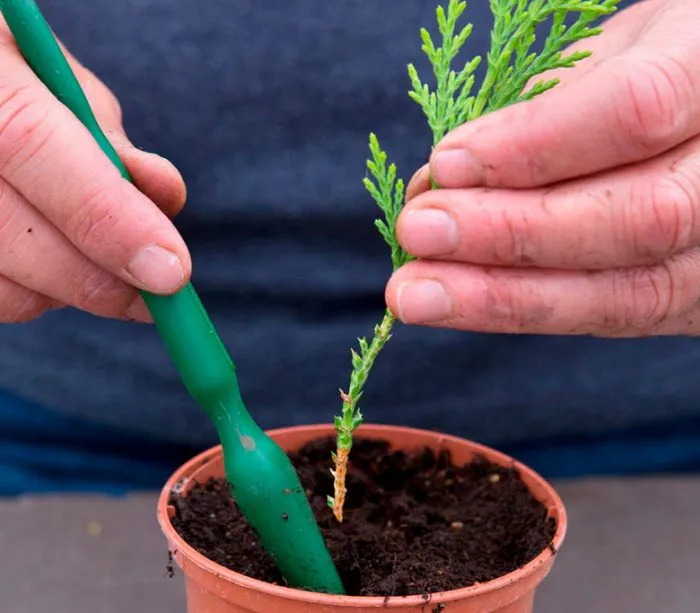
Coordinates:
x,y
352,417
340,471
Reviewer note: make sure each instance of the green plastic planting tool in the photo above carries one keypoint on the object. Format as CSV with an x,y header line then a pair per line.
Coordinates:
x,y
264,482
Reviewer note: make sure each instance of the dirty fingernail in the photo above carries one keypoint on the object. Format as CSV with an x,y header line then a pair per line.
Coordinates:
x,y
454,168
157,270
429,232
420,182
138,311
423,301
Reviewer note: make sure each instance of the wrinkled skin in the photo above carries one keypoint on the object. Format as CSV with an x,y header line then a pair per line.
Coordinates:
x,y
72,230
576,213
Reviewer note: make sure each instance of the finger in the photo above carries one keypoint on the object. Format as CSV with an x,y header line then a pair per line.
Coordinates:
x,y
152,174
622,302
629,108
419,183
620,32
52,160
639,215
35,255
19,304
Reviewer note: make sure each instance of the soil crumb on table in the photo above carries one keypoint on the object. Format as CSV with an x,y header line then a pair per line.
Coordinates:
x,y
414,522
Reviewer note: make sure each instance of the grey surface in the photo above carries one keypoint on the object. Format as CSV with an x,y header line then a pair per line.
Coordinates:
x,y
633,547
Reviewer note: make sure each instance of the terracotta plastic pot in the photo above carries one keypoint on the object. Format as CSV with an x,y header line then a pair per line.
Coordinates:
x,y
214,589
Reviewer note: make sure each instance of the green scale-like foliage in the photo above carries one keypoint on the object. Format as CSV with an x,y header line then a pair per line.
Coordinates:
x,y
512,71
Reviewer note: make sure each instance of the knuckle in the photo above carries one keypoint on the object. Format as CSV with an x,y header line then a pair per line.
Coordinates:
x,y
24,126
533,159
101,293
641,298
662,216
504,306
9,209
21,306
94,220
512,241
654,109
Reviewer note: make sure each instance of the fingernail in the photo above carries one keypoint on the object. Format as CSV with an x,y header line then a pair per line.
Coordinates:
x,y
419,183
423,301
157,270
429,232
454,168
138,311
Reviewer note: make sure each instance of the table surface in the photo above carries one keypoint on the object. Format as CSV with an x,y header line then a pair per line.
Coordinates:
x,y
633,547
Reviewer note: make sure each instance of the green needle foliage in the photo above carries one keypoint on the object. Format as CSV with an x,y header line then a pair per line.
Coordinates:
x,y
512,71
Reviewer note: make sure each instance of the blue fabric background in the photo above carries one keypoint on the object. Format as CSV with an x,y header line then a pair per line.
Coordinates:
x,y
266,108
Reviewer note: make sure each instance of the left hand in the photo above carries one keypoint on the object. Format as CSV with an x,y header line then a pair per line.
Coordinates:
x,y
577,212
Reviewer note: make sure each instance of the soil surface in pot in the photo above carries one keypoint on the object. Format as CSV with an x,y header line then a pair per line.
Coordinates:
x,y
414,522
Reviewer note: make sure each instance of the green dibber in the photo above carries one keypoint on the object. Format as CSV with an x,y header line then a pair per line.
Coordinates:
x,y
265,484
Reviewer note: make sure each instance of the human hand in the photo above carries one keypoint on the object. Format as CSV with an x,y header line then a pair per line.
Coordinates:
x,y
72,231
577,212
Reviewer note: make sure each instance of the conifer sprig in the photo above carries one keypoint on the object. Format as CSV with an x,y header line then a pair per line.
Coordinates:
x,y
388,192
512,69
512,63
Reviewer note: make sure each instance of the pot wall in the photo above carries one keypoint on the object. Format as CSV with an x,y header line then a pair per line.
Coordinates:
x,y
214,589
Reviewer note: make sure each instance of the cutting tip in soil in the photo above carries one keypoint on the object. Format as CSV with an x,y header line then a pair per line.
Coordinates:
x,y
415,522
408,486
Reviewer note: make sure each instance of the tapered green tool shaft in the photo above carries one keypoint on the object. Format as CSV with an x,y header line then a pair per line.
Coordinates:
x,y
264,482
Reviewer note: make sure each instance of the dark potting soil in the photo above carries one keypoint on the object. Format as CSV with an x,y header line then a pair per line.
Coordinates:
x,y
414,522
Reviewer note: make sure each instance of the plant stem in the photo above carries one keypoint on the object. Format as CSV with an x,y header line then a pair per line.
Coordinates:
x,y
512,64
348,422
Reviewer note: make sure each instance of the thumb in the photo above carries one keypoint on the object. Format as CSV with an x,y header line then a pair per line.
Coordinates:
x,y
627,108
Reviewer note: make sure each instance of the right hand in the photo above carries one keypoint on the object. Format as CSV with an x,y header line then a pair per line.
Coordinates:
x,y
73,232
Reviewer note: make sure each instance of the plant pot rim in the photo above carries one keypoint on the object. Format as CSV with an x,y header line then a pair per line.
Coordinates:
x,y
179,545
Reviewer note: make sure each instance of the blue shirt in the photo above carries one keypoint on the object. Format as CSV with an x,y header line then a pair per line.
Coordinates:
x,y
266,108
